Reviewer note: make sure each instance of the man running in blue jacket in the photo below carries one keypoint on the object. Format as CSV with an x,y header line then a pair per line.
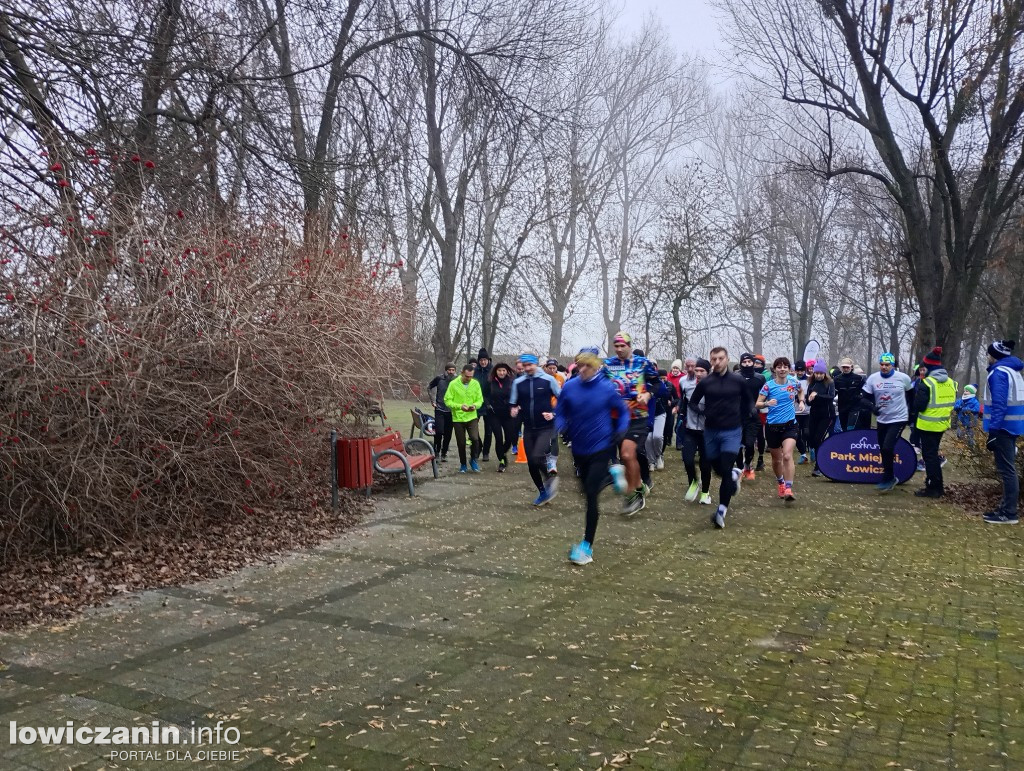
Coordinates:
x,y
593,415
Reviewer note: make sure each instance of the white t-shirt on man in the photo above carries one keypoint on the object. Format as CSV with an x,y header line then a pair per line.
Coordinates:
x,y
890,397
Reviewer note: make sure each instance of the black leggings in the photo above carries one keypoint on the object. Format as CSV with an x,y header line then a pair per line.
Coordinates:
x,y
504,433
745,457
888,435
818,429
537,442
803,423
442,432
693,443
593,470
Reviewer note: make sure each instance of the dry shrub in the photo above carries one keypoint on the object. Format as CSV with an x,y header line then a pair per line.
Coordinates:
x,y
166,374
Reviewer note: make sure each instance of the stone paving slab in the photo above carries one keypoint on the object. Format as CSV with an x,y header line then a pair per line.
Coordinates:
x,y
449,631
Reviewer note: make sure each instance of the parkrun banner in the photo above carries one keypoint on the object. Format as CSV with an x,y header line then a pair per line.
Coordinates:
x,y
854,456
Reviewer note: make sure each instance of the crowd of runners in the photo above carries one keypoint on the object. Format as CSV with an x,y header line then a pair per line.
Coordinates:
x,y
618,415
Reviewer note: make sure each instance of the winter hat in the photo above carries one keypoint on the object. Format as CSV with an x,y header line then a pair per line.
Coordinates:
x,y
482,354
970,389
819,366
1000,349
677,364
590,349
846,361
886,358
622,337
529,358
704,364
746,355
450,365
800,366
933,360
551,363
662,373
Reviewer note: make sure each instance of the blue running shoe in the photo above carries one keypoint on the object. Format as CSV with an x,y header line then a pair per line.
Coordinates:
x,y
475,466
618,472
996,518
718,518
551,487
581,554
542,498
884,487
463,469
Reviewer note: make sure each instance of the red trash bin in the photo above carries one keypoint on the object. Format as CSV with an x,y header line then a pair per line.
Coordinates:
x,y
354,464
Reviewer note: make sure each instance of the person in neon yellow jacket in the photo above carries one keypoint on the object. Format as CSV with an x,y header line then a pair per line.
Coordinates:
x,y
464,398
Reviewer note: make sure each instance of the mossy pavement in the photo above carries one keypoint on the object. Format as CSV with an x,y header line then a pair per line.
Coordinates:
x,y
848,630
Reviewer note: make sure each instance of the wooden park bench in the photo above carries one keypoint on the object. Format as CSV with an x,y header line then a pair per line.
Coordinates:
x,y
393,456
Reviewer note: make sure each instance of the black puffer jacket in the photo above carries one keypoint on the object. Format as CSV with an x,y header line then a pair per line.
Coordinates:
x,y
500,390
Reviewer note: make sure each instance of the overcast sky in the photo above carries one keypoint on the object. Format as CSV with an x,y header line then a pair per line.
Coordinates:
x,y
693,24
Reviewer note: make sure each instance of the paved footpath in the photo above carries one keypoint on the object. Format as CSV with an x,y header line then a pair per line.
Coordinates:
x,y
450,631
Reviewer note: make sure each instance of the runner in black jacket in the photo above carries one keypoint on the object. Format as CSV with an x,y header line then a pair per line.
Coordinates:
x,y
726,404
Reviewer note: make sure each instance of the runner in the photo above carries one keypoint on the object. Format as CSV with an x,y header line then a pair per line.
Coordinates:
x,y
726,404
692,436
760,364
886,393
821,395
934,397
662,402
849,388
532,394
483,377
630,375
751,423
779,395
442,415
803,416
593,416
463,398
502,421
551,368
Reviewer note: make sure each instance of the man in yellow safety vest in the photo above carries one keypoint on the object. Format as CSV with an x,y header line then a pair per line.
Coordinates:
x,y
933,402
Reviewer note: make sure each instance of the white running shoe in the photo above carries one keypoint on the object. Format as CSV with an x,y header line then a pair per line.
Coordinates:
x,y
705,498
737,475
660,464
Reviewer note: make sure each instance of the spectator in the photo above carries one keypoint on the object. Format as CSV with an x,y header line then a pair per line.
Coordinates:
x,y
442,415
967,410
1004,422
934,397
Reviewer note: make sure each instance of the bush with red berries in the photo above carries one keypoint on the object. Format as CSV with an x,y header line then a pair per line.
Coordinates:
x,y
161,371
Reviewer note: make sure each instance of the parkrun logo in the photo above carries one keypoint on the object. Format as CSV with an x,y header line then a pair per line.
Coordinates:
x,y
864,444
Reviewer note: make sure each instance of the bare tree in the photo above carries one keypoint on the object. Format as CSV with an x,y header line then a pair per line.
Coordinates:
x,y
653,104
933,89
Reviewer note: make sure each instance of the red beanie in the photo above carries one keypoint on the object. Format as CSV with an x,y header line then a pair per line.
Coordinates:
x,y
934,359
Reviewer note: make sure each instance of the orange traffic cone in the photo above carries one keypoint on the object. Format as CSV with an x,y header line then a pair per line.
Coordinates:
x,y
521,452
